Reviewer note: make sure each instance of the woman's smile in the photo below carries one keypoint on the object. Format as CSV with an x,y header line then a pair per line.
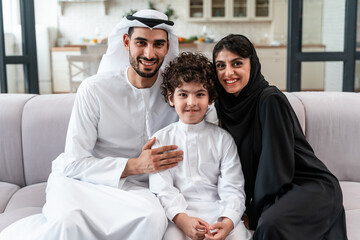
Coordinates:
x,y
231,81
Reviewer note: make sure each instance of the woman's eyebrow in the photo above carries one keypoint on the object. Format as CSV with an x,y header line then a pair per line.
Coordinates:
x,y
238,58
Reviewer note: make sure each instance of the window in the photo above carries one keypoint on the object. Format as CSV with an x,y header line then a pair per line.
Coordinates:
x,y
18,60
337,21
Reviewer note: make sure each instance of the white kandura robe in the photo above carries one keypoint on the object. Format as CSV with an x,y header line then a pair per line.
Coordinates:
x,y
110,122
208,183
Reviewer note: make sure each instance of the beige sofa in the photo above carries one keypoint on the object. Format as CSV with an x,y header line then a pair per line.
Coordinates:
x,y
33,130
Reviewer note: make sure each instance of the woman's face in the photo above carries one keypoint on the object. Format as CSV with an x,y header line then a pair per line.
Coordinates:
x,y
233,71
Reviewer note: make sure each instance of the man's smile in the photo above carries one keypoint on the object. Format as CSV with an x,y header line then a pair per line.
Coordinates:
x,y
147,62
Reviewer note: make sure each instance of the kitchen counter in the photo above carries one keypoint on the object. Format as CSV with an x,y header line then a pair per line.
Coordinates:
x,y
83,46
66,48
198,46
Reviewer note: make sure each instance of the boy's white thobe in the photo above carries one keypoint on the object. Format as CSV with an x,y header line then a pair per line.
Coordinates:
x,y
208,183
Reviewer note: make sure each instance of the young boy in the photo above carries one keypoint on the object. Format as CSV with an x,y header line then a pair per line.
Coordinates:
x,y
204,195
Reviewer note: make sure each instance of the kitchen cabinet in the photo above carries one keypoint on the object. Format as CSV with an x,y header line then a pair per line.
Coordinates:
x,y
229,10
60,67
273,65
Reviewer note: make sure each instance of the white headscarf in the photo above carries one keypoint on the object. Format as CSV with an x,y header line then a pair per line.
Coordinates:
x,y
117,56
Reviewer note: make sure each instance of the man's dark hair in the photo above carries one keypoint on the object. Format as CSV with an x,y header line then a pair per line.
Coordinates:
x,y
131,31
189,67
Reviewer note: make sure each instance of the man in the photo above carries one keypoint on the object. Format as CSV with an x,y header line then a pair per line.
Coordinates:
x,y
98,188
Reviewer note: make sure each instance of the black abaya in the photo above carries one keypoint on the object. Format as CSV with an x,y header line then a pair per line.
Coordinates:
x,y
290,194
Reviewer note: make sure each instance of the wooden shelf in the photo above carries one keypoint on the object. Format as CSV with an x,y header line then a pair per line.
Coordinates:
x,y
62,4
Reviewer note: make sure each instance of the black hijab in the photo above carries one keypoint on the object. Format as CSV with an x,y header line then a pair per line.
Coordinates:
x,y
236,113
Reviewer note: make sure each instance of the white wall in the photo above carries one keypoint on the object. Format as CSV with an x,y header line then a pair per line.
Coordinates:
x,y
312,22
278,30
46,14
46,21
333,39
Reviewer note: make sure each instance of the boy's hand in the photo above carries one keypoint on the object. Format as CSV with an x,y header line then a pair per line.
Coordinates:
x,y
194,228
222,229
153,160
245,218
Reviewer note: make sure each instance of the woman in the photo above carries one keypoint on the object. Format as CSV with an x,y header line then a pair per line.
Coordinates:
x,y
290,194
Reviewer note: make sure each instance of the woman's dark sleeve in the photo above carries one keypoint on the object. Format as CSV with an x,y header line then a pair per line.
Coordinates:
x,y
277,159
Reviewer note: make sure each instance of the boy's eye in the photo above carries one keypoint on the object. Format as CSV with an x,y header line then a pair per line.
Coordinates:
x,y
201,94
182,94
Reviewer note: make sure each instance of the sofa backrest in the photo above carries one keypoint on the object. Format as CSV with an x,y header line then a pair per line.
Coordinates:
x,y
44,125
299,109
33,131
332,127
11,164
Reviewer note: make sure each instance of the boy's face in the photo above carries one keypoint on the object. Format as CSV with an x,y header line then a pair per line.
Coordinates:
x,y
191,102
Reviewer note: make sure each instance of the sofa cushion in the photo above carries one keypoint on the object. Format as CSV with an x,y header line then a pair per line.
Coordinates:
x,y
6,192
45,122
10,217
352,224
333,130
351,195
11,109
29,196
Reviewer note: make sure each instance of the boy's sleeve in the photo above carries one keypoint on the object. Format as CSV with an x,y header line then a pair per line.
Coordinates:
x,y
231,183
162,184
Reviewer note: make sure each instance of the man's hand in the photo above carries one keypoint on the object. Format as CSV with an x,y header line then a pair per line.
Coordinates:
x,y
193,227
153,160
222,230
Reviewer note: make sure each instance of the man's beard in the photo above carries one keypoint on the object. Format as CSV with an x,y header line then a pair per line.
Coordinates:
x,y
135,66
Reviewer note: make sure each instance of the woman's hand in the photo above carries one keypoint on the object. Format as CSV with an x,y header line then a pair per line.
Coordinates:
x,y
220,230
194,228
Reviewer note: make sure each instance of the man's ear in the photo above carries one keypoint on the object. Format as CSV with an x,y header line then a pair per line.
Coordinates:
x,y
126,39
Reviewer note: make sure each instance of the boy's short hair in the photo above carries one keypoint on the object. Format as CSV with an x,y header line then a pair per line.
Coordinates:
x,y
189,67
